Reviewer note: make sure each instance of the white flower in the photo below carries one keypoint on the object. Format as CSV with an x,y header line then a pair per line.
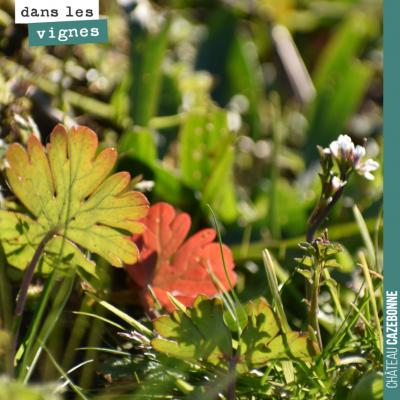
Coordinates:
x,y
337,184
366,167
346,155
342,148
359,153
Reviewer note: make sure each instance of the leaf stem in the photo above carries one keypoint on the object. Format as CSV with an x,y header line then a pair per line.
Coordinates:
x,y
24,291
313,316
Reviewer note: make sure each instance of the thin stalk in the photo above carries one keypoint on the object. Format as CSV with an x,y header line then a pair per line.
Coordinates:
x,y
273,284
33,328
342,333
58,305
246,240
376,239
365,320
79,328
287,366
225,298
313,315
94,341
6,305
231,379
24,291
367,314
223,259
6,300
371,291
75,388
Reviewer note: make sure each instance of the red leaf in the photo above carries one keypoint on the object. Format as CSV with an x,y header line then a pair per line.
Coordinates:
x,y
169,265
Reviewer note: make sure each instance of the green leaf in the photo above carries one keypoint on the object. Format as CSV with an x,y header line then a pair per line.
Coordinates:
x,y
307,261
259,343
306,246
66,192
201,335
345,383
306,273
242,316
332,263
370,386
116,368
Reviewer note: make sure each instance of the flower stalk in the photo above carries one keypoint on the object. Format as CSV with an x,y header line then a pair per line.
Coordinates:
x,y
347,158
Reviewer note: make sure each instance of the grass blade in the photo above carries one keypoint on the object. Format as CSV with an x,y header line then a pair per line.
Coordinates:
x,y
176,303
34,325
157,304
365,236
223,260
57,308
137,325
101,318
71,370
287,366
112,351
65,376
273,284
371,291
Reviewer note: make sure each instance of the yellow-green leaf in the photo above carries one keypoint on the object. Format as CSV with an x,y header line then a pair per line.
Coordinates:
x,y
259,344
67,192
200,334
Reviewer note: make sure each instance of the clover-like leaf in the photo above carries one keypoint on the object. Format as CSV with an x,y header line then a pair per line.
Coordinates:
x,y
170,264
200,334
67,193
